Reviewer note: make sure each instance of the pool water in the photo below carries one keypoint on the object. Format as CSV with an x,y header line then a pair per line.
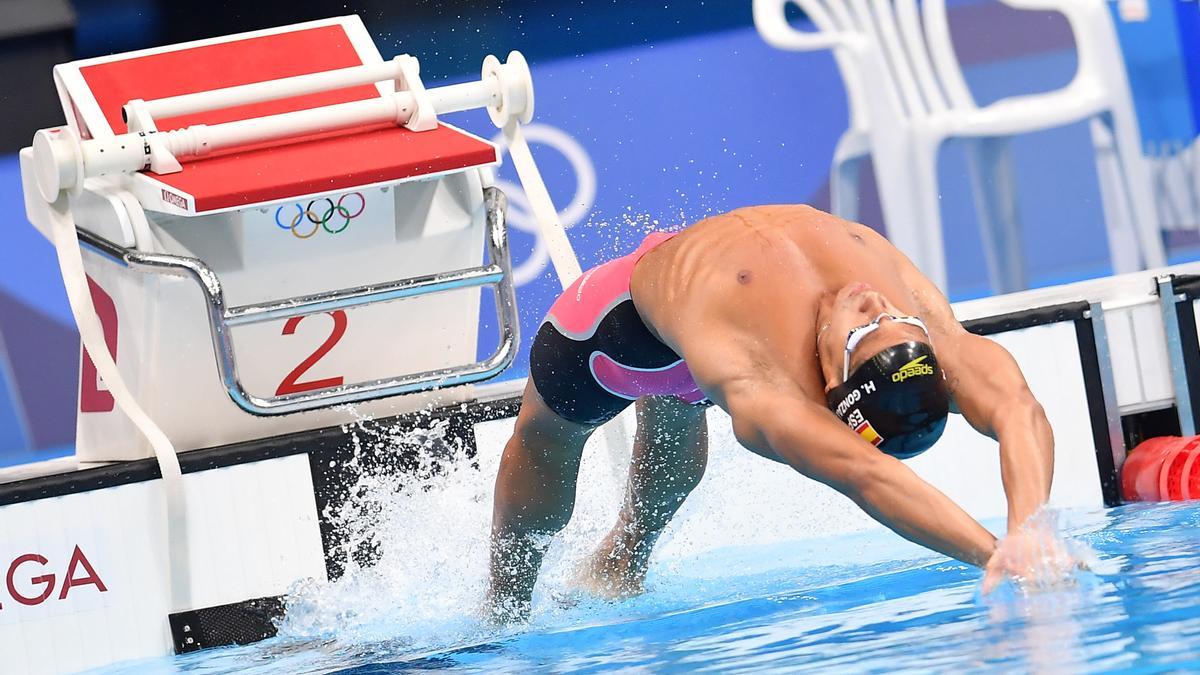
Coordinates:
x,y
1145,614
863,602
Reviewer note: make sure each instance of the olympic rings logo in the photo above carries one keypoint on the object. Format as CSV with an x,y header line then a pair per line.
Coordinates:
x,y
337,213
520,215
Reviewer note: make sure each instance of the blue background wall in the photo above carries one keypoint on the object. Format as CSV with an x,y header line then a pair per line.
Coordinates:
x,y
683,112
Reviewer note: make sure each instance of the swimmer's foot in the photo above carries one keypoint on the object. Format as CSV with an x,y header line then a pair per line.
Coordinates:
x,y
617,570
604,579
500,612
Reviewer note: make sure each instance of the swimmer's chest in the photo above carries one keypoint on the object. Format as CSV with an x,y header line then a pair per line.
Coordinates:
x,y
759,301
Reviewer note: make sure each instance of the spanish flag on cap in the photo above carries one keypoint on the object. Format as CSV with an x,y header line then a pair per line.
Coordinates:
x,y
868,433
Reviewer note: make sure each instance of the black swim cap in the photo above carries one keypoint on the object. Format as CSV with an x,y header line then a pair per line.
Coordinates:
x,y
896,400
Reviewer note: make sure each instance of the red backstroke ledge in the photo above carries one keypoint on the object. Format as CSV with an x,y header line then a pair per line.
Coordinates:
x,y
298,166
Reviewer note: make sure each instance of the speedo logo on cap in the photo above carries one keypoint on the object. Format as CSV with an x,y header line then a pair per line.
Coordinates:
x,y
915,368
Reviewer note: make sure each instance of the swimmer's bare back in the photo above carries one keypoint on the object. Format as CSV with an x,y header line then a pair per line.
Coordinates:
x,y
750,281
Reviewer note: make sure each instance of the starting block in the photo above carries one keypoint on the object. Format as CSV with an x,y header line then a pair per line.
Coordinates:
x,y
260,197
235,219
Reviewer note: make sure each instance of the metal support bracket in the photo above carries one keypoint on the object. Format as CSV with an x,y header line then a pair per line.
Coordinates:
x,y
1108,385
1167,300
498,274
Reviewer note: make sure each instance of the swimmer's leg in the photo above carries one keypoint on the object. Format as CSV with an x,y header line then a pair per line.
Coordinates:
x,y
535,494
670,453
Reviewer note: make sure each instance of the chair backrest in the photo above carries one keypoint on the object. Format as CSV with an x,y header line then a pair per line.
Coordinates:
x,y
897,59
771,22
901,46
1096,45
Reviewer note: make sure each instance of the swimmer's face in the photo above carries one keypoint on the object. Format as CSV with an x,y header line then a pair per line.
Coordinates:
x,y
856,305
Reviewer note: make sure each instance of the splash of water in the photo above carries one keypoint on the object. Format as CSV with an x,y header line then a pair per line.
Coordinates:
x,y
424,528
428,528
1042,558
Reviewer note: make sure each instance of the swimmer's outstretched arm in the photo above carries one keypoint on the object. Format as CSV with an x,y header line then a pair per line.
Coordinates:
x,y
991,393
770,419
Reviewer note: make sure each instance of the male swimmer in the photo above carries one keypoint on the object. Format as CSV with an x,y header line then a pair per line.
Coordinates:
x,y
826,346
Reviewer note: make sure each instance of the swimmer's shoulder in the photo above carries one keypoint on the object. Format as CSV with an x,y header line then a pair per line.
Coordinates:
x,y
806,224
777,214
764,214
796,222
772,221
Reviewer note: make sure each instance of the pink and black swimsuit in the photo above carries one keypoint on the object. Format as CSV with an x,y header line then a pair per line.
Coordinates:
x,y
594,355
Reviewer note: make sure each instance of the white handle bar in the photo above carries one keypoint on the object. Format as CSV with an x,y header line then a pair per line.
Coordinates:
x,y
63,161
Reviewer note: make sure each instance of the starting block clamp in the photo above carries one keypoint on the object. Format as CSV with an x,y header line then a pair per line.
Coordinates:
x,y
221,318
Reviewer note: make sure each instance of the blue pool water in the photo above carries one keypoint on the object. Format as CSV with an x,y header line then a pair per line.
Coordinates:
x,y
861,603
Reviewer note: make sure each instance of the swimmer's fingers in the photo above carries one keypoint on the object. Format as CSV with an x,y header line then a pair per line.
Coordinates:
x,y
992,579
1026,556
994,573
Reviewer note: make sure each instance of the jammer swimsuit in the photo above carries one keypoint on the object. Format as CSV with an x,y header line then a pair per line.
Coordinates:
x,y
593,354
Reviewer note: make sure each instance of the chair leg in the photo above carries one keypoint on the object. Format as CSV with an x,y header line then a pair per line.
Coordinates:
x,y
990,164
843,187
1124,247
1136,178
908,190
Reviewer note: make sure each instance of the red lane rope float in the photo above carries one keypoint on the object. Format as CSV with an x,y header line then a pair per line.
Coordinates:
x,y
1173,475
1139,475
1161,469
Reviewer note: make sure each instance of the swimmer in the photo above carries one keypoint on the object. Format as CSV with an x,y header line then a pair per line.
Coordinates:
x,y
829,350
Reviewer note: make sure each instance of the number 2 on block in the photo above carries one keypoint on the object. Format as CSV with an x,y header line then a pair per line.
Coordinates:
x,y
290,385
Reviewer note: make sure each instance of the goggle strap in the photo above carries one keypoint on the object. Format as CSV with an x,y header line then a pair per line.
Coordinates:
x,y
857,335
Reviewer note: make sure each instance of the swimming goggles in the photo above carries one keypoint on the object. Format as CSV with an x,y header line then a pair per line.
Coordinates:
x,y
856,335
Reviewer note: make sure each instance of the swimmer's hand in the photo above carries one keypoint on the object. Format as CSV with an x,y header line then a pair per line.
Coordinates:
x,y
1035,558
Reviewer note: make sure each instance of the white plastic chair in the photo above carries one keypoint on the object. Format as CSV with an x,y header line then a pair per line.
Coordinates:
x,y
900,53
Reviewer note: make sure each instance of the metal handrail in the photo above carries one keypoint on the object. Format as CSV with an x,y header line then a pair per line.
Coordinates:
x,y
220,318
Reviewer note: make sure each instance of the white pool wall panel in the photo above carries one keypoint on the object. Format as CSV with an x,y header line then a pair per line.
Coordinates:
x,y
253,531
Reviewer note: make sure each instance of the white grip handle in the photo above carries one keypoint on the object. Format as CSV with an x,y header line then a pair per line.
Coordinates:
x,y
64,160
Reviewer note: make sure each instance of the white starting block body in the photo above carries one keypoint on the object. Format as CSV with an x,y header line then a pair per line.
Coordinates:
x,y
291,219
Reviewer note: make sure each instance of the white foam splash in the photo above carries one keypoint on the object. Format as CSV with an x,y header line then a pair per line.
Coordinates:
x,y
431,530
1052,561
